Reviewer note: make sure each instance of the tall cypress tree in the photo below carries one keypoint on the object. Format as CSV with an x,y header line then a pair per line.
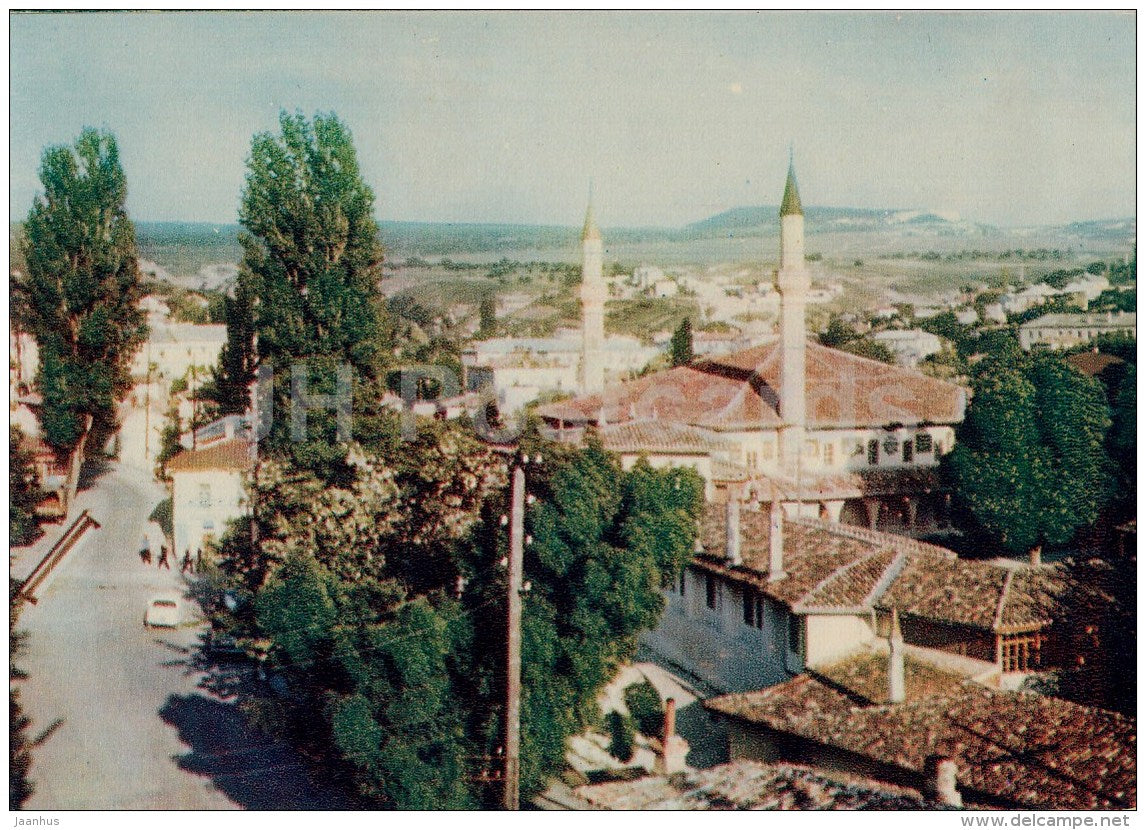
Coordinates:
x,y
80,296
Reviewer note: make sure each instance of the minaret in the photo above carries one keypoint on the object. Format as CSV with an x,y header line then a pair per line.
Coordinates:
x,y
592,307
793,282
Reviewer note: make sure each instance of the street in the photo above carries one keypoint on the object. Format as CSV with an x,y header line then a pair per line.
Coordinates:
x,y
137,728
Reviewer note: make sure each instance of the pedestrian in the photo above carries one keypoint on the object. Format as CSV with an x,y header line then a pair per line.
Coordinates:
x,y
163,563
144,551
187,564
198,560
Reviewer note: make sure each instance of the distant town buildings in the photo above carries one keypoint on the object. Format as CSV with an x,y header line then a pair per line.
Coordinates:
x,y
1058,331
910,346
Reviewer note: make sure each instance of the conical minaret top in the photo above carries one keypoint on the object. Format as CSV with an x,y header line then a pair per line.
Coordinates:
x,y
790,206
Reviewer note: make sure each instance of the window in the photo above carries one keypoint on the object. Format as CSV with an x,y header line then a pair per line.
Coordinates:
x,y
795,634
890,446
752,459
204,495
1021,652
923,442
711,592
873,452
908,452
753,609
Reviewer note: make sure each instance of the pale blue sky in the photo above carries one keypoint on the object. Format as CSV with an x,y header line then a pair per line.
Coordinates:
x,y
1005,118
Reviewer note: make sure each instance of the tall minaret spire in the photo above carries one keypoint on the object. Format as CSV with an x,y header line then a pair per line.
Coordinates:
x,y
592,305
793,282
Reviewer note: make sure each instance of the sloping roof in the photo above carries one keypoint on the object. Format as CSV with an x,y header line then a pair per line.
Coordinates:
x,y
975,593
839,568
233,455
661,436
1093,363
1014,748
740,391
754,785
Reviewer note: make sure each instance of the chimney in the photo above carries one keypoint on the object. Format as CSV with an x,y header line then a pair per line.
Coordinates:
x,y
674,748
776,542
896,687
942,780
732,542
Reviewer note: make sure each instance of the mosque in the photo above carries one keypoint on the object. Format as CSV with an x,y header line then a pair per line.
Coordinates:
x,y
825,433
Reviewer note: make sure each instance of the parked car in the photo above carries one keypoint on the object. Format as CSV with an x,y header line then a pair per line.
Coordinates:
x,y
163,612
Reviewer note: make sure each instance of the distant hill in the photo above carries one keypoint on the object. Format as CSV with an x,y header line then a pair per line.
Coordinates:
x,y
754,221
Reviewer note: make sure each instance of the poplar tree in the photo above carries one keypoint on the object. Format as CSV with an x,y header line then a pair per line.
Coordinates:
x,y
308,282
79,298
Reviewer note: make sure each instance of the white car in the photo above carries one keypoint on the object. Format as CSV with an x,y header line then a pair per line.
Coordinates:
x,y
162,612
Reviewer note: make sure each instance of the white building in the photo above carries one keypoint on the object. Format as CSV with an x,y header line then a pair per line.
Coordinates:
x,y
174,348
910,346
207,489
1029,297
1059,331
665,288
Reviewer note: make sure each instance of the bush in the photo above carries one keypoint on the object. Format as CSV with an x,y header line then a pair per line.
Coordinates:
x,y
645,706
622,735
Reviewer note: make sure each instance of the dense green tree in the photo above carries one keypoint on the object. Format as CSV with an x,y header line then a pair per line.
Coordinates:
x,y
309,277
681,345
869,348
23,491
1123,438
79,297
236,369
1030,464
487,316
837,333
20,787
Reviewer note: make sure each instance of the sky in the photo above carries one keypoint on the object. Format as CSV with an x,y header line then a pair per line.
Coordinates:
x,y
1008,119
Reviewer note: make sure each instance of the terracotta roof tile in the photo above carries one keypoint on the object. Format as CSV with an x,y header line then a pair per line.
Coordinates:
x,y
233,454
1014,748
840,567
661,436
739,390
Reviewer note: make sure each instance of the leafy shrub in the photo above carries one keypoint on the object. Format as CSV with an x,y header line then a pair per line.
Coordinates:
x,y
622,736
644,703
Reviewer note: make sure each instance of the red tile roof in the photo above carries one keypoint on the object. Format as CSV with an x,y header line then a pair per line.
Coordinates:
x,y
835,567
661,436
740,391
1011,748
233,454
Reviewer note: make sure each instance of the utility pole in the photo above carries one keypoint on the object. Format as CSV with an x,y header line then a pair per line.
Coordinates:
x,y
513,649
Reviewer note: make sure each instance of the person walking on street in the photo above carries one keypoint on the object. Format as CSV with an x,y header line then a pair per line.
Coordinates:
x,y
163,563
198,560
187,565
145,551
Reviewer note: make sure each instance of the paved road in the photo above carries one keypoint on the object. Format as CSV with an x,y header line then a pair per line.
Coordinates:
x,y
136,729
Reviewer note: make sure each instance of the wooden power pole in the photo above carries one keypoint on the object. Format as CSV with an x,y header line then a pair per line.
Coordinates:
x,y
513,649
